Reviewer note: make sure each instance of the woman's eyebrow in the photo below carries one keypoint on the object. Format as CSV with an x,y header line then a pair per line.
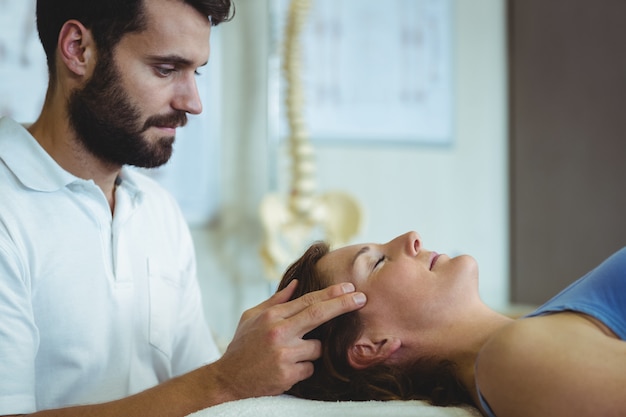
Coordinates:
x,y
361,251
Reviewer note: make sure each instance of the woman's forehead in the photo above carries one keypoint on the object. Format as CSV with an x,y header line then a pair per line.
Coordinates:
x,y
337,264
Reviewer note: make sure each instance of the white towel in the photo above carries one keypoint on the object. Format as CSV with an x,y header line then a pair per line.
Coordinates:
x,y
288,406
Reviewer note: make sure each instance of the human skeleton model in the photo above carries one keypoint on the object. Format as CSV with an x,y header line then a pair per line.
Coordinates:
x,y
291,223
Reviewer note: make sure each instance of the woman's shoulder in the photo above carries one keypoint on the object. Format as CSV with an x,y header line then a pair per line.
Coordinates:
x,y
555,365
502,367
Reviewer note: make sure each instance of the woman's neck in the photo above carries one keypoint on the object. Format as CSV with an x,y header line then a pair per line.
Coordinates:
x,y
480,330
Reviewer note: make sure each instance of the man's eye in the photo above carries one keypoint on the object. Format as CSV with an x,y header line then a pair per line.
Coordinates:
x,y
163,71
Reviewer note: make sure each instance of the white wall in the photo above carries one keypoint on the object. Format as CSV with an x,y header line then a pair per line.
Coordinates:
x,y
456,197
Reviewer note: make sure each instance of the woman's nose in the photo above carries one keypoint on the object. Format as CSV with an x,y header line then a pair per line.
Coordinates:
x,y
410,243
414,243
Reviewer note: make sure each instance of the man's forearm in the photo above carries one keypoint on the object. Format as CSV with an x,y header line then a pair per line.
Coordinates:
x,y
177,397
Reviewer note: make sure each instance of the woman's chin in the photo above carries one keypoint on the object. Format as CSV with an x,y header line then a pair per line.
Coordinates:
x,y
465,268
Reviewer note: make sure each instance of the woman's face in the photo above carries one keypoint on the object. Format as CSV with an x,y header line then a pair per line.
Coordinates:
x,y
409,289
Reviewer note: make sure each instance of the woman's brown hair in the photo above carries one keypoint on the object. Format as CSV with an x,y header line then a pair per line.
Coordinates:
x,y
429,379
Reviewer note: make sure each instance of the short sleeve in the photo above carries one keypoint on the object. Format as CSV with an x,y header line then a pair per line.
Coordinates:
x,y
18,336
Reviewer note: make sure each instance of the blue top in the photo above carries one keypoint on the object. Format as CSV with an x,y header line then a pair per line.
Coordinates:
x,y
600,294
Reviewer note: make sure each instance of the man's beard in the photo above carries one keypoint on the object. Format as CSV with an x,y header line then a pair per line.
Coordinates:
x,y
109,125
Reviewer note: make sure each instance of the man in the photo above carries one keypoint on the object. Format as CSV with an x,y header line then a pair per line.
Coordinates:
x,y
100,312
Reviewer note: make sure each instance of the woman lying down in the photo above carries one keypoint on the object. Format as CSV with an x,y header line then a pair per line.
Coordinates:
x,y
425,334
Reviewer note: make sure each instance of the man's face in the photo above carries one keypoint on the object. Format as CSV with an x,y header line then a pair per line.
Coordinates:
x,y
110,126
139,93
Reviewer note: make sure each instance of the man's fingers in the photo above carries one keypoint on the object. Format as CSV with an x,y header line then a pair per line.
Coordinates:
x,y
308,350
313,309
285,294
293,307
280,297
278,326
304,370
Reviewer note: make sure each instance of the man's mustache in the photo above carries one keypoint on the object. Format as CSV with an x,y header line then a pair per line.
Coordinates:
x,y
176,119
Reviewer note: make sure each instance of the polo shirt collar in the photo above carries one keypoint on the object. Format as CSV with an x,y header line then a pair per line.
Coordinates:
x,y
37,170
28,161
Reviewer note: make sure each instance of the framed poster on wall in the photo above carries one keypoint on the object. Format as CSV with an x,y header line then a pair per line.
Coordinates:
x,y
375,71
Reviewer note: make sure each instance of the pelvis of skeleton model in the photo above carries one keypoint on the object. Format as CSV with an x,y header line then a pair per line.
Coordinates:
x,y
334,217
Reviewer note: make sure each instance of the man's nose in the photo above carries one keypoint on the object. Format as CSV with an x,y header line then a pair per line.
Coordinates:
x,y
187,96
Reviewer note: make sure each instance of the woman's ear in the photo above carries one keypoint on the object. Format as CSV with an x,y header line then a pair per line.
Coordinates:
x,y
76,47
365,352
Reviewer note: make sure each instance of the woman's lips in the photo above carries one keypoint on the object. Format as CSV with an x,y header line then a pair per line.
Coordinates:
x,y
433,259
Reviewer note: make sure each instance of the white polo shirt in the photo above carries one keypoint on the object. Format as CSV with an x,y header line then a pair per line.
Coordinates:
x,y
93,307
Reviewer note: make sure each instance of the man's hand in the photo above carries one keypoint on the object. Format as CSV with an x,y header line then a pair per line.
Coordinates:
x,y
267,355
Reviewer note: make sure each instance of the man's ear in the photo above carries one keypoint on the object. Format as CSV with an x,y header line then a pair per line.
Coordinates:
x,y
366,352
76,47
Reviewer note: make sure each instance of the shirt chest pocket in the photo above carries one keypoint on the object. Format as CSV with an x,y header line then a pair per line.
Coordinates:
x,y
164,307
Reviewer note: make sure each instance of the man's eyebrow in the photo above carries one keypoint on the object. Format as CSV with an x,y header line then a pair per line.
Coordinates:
x,y
174,59
361,251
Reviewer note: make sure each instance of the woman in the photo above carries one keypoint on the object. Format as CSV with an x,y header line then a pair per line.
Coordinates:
x,y
426,334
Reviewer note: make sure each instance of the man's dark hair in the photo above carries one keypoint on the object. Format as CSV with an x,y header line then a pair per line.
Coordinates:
x,y
108,20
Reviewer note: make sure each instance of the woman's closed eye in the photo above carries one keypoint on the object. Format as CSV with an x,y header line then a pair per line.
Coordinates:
x,y
380,261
